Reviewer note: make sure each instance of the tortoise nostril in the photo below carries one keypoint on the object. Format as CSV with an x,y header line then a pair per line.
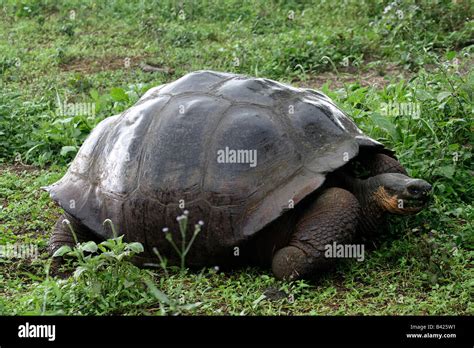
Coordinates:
x,y
419,188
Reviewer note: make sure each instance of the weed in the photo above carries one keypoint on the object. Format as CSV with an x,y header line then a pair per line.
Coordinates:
x,y
185,246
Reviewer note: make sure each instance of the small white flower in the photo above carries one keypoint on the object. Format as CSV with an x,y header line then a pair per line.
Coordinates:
x,y
216,268
66,221
165,229
181,217
386,9
399,14
201,223
186,212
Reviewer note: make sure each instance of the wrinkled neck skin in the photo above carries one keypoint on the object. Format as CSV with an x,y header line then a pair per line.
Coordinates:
x,y
373,220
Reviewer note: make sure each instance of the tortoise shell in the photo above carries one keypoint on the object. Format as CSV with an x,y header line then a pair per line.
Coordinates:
x,y
180,143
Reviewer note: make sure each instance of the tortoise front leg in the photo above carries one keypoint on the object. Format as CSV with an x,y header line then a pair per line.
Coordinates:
x,y
333,217
62,233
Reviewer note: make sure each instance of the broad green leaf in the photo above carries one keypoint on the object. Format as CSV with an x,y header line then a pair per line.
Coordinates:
x,y
135,247
442,96
66,149
90,247
421,94
118,94
79,270
62,251
94,94
450,55
446,171
385,123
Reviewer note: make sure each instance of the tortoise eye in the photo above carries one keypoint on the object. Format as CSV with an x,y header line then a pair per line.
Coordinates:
x,y
414,190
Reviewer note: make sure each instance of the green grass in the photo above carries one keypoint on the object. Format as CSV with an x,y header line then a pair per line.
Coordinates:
x,y
414,53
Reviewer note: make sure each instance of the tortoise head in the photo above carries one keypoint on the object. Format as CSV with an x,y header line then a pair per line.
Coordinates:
x,y
400,194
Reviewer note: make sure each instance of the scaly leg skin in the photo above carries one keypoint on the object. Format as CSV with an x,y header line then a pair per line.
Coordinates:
x,y
62,233
333,217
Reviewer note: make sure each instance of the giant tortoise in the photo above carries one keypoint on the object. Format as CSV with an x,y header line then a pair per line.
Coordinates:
x,y
277,174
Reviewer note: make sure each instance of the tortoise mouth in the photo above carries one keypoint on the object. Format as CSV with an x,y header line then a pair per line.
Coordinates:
x,y
413,205
414,199
401,204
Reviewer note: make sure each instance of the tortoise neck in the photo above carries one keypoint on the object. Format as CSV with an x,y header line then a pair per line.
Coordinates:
x,y
373,218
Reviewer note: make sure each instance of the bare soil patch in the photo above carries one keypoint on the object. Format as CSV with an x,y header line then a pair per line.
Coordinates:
x,y
18,168
377,78
94,65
